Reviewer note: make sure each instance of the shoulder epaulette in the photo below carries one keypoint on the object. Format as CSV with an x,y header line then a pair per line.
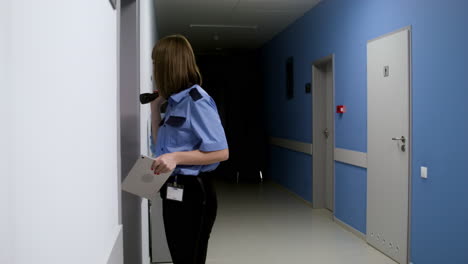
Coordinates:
x,y
195,94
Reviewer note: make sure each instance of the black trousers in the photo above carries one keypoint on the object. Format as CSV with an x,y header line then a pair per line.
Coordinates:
x,y
188,223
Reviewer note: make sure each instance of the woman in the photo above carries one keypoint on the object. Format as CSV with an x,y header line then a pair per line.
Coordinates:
x,y
189,140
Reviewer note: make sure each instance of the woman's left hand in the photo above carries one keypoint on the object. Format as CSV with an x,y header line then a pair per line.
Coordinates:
x,y
164,163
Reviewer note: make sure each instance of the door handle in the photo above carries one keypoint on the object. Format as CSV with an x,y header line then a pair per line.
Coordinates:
x,y
326,133
402,139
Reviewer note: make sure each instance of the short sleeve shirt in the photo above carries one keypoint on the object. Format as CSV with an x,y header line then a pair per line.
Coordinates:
x,y
191,123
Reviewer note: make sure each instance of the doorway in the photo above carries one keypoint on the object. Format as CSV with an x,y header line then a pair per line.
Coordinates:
x,y
323,133
388,175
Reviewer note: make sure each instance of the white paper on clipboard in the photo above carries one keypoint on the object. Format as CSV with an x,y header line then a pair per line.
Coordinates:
x,y
142,181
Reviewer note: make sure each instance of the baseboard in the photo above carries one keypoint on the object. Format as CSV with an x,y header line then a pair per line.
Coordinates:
x,y
350,228
116,253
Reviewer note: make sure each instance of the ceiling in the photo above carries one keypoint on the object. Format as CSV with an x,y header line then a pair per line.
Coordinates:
x,y
220,25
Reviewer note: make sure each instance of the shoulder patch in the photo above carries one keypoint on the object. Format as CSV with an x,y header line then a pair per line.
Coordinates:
x,y
195,94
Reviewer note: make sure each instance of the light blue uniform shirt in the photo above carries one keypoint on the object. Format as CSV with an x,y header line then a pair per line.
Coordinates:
x,y
191,123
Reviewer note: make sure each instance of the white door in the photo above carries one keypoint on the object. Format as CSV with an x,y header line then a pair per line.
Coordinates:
x,y
388,100
323,134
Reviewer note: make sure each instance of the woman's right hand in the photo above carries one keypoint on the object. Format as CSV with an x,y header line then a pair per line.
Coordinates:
x,y
156,104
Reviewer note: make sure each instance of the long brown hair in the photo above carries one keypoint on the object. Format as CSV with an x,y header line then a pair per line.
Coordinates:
x,y
174,65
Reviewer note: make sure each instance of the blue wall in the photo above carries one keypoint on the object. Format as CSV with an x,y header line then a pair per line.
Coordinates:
x,y
439,220
290,169
350,195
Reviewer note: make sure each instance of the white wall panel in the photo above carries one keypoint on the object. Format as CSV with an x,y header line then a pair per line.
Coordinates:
x,y
65,151
6,221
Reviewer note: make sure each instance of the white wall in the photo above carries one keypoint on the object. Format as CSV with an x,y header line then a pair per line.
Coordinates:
x,y
64,85
6,234
148,38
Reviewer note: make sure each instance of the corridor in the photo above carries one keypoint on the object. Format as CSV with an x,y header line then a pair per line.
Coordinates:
x,y
250,229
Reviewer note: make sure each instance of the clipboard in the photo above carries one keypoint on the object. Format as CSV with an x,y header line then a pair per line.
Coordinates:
x,y
142,181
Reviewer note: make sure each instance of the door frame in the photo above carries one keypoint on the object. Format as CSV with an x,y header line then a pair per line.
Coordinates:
x,y
318,195
410,126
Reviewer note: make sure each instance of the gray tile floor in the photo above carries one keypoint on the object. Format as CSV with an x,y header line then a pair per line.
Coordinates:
x,y
263,223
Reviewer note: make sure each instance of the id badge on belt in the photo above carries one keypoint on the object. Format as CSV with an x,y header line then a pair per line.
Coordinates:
x,y
175,191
